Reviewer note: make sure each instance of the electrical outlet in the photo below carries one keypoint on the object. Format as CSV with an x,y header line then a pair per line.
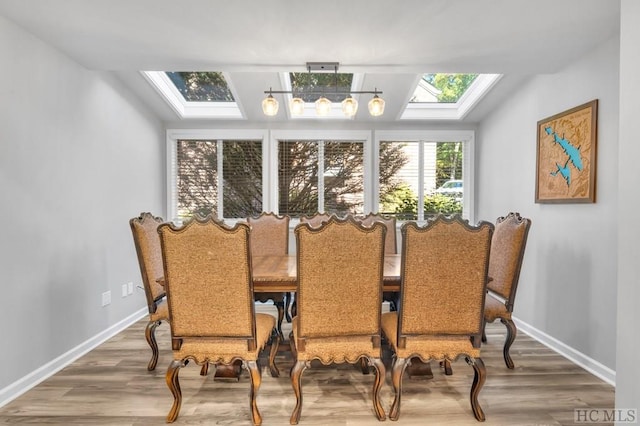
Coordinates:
x,y
106,298
130,287
124,290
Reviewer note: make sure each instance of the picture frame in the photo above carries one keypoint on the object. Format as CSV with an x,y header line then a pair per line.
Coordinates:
x,y
566,156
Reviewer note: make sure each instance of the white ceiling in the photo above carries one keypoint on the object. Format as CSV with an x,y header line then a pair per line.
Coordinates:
x,y
391,42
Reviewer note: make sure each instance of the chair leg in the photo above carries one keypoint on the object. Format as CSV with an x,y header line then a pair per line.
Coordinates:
x,y
174,386
484,333
480,375
377,384
275,343
296,383
150,335
399,365
280,308
287,304
446,364
511,336
256,380
364,365
205,369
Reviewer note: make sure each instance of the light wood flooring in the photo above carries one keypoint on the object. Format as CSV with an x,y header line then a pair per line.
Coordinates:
x,y
111,386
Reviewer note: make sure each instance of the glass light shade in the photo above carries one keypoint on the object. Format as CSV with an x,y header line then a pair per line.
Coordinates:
x,y
376,106
270,106
349,107
323,106
297,106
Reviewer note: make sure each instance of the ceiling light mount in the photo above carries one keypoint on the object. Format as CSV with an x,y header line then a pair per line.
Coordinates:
x,y
323,105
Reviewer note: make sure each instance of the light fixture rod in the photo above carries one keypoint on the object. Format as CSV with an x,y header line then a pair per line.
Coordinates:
x,y
329,92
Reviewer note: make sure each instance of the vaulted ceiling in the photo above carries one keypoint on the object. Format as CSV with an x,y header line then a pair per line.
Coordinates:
x,y
390,42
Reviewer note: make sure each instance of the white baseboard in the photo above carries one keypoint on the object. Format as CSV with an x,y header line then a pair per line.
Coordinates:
x,y
592,366
27,382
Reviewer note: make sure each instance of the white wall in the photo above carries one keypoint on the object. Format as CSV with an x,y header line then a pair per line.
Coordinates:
x,y
568,281
78,157
628,367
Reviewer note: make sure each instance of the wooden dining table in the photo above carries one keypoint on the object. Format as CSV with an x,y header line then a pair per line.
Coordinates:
x,y
278,273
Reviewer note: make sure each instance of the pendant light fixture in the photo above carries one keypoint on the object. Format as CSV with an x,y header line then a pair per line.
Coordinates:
x,y
323,105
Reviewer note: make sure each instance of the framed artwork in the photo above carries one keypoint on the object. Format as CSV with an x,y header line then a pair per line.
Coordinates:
x,y
566,156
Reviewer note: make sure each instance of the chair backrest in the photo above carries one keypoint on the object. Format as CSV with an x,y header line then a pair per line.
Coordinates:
x,y
145,237
391,242
507,251
208,280
443,278
315,220
269,234
340,270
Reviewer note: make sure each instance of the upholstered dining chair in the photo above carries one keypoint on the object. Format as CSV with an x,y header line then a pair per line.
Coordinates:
x,y
147,243
507,251
442,292
390,247
207,272
316,219
338,323
270,236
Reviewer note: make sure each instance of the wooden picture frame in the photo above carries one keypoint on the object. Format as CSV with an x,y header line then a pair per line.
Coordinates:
x,y
566,156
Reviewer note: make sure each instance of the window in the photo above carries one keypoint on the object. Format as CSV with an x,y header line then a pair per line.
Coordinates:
x,y
238,173
420,175
325,176
219,176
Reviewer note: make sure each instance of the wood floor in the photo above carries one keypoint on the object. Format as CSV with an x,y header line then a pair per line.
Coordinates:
x,y
111,386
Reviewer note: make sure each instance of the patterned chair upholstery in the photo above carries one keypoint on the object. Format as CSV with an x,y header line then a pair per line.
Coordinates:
x,y
147,243
338,323
507,251
390,247
443,287
207,270
270,236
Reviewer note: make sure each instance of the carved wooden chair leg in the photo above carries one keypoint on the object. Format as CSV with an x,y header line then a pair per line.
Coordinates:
x,y
150,335
364,365
484,333
280,308
287,305
377,384
399,365
256,380
479,377
275,343
446,364
174,386
204,370
296,379
511,336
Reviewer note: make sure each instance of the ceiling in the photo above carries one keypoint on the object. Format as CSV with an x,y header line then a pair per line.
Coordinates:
x,y
392,43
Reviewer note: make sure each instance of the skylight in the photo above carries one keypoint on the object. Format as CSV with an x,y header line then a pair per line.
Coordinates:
x,y
447,96
196,94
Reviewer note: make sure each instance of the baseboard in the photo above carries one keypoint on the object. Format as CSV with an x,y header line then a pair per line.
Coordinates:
x,y
592,366
27,382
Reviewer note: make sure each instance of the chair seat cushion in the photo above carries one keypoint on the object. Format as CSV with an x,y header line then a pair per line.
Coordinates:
x,y
426,347
226,350
162,311
335,349
494,308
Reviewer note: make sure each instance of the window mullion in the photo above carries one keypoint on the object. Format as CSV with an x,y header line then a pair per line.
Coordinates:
x,y
321,176
420,180
220,178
